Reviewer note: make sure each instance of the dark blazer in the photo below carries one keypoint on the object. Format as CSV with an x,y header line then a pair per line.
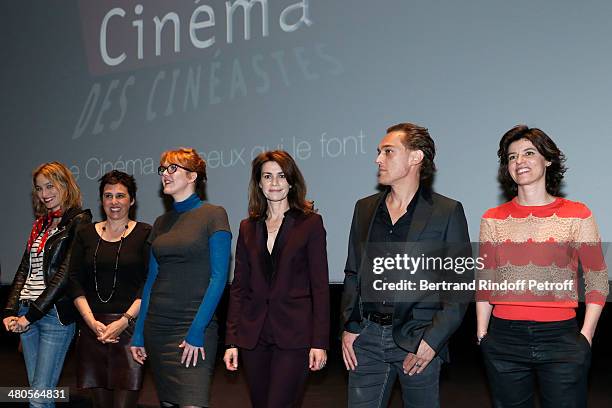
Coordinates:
x,y
294,296
436,218
56,259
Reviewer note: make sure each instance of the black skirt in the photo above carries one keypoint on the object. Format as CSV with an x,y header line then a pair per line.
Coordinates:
x,y
174,382
107,365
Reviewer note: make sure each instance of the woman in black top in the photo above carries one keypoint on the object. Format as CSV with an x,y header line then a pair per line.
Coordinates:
x,y
107,271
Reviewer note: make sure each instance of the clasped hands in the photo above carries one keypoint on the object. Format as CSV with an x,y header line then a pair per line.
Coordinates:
x,y
108,333
16,324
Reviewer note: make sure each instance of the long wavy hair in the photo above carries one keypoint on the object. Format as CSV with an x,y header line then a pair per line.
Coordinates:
x,y
63,180
258,204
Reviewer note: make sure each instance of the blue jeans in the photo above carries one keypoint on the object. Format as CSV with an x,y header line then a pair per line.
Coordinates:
x,y
44,348
379,364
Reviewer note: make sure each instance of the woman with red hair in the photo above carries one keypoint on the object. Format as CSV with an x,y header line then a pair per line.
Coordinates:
x,y
190,249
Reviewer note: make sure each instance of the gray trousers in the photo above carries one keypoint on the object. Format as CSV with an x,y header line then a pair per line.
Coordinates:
x,y
379,364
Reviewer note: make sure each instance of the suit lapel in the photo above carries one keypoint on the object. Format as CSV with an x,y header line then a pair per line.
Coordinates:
x,y
368,215
260,232
420,218
261,241
284,233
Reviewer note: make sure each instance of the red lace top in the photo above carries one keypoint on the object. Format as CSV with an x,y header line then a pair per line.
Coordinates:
x,y
531,257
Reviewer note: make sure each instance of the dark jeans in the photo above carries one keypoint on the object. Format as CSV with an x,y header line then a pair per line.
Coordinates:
x,y
379,364
517,352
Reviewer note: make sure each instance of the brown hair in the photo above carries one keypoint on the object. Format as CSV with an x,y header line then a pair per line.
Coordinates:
x,y
418,138
545,146
258,205
63,180
189,158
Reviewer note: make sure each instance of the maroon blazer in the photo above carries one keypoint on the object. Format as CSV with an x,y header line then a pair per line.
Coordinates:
x,y
290,286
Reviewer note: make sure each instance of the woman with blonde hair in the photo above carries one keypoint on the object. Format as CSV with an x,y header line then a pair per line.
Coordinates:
x,y
190,249
38,308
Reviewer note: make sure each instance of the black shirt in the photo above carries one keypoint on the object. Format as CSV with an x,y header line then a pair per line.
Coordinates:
x,y
384,231
131,269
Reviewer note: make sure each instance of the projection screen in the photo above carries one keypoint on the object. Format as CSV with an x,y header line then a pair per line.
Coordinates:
x,y
111,84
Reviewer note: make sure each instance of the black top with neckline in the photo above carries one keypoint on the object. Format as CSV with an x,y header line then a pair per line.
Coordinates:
x,y
131,271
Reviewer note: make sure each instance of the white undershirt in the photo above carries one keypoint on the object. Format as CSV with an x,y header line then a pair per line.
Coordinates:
x,y
35,284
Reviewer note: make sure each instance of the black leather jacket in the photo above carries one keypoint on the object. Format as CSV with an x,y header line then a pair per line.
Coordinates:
x,y
56,259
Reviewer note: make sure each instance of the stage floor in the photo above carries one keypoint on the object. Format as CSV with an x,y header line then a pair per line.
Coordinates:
x,y
462,384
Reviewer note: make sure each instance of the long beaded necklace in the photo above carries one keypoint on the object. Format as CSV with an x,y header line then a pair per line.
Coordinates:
x,y
95,261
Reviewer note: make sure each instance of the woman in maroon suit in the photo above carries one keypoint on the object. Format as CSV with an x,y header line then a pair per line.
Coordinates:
x,y
279,300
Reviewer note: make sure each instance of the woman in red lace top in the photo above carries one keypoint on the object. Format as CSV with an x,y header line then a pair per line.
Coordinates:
x,y
528,292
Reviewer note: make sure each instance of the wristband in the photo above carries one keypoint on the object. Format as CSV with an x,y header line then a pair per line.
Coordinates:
x,y
129,317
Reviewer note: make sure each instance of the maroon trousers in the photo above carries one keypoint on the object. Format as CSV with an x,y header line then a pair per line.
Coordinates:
x,y
276,377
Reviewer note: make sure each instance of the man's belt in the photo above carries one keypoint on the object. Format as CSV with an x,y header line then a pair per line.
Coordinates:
x,y
384,319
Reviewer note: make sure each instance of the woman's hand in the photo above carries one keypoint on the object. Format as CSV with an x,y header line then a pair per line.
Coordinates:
x,y
231,358
139,354
190,353
113,331
9,323
317,359
479,336
96,326
21,325
587,335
